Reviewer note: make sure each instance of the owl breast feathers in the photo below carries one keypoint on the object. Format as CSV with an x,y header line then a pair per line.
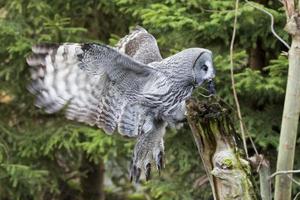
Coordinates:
x,y
120,89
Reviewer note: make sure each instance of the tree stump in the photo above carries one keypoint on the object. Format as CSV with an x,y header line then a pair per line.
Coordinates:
x,y
218,145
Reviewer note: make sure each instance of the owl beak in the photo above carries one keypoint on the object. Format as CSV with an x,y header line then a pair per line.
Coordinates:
x,y
211,87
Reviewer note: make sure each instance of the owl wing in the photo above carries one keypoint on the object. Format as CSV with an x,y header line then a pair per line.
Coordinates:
x,y
140,45
93,83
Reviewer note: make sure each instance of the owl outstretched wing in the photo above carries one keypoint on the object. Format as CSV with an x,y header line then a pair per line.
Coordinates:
x,y
94,83
140,45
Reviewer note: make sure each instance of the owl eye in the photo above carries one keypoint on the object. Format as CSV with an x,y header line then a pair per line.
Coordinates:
x,y
205,68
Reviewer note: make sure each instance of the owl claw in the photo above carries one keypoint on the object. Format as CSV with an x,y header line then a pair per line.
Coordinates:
x,y
159,162
137,163
148,172
144,155
132,171
135,174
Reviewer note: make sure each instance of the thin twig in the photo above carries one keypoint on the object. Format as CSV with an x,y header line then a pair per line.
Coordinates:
x,y
200,181
293,180
284,172
272,23
232,79
281,2
251,140
218,98
206,96
297,195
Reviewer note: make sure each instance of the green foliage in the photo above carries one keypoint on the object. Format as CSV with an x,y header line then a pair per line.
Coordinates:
x,y
41,155
21,180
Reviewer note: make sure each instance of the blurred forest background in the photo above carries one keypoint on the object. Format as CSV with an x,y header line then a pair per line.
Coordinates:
x,y
47,157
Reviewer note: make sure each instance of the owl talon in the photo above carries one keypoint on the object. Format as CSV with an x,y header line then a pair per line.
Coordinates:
x,y
145,155
132,171
160,162
135,173
148,172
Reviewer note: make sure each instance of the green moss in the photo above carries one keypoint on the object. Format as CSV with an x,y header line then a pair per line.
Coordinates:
x,y
227,162
136,197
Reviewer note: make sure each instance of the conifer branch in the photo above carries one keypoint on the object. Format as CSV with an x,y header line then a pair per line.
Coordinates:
x,y
272,23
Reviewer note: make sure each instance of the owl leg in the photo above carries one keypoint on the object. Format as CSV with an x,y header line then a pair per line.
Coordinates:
x,y
148,150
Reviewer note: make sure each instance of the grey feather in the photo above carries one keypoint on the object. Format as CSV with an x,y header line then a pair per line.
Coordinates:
x,y
103,86
128,89
140,45
96,59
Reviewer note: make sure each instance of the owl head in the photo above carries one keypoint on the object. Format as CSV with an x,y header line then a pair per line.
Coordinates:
x,y
204,71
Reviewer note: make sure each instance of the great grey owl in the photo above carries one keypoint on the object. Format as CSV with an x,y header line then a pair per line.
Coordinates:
x,y
129,89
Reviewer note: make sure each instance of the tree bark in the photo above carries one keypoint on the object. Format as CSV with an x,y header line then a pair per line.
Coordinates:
x,y
92,183
229,173
263,165
290,119
257,56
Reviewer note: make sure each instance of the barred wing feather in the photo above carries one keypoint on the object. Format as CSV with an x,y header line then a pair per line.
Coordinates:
x,y
94,83
140,45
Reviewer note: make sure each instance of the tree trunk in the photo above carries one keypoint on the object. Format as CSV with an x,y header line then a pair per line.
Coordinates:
x,y
261,163
229,173
257,56
92,183
290,119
